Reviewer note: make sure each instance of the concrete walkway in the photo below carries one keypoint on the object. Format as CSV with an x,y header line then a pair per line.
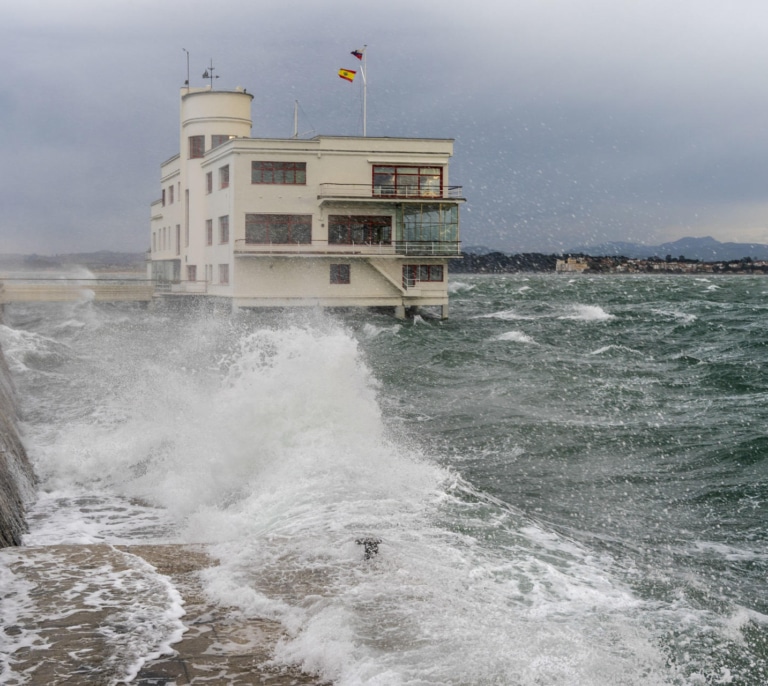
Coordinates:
x,y
220,646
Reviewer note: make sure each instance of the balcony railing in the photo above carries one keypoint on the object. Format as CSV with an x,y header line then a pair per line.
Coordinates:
x,y
316,248
421,248
428,248
365,190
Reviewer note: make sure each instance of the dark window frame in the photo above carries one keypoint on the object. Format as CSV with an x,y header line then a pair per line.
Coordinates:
x,y
340,274
278,173
218,139
359,229
409,181
280,229
224,229
423,273
196,147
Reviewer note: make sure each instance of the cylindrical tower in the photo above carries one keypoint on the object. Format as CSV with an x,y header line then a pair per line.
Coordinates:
x,y
209,118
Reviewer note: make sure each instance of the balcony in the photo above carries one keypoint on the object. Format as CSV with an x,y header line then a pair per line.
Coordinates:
x,y
318,249
365,191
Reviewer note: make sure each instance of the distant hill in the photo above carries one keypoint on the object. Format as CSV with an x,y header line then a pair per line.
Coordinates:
x,y
706,249
97,261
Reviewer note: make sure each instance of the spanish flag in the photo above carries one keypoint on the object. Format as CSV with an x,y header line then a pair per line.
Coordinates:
x,y
347,74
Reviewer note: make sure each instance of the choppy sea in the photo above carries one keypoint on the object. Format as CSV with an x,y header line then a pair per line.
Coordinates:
x,y
569,477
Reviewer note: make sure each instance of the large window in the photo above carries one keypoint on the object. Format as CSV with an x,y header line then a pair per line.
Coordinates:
x,y
209,231
191,272
406,181
196,146
224,274
209,182
413,273
432,223
224,176
278,228
340,273
356,229
279,172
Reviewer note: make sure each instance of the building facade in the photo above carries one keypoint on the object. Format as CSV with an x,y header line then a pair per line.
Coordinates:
x,y
332,221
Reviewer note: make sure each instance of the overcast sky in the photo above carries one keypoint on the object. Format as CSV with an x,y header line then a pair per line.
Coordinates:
x,y
576,121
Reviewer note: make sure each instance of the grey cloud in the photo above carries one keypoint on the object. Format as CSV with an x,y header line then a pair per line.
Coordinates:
x,y
574,121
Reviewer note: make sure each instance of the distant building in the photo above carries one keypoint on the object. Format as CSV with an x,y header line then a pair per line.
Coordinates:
x,y
330,221
572,264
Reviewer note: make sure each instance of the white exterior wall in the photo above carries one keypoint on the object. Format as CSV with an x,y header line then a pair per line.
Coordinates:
x,y
280,274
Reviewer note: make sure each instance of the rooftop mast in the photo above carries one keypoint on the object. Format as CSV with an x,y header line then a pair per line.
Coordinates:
x,y
208,74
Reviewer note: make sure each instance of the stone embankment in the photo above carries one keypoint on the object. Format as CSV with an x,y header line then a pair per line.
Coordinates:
x,y
16,476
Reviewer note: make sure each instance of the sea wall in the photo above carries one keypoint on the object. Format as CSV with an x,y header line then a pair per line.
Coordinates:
x,y
16,475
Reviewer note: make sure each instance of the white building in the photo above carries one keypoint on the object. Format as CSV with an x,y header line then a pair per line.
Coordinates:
x,y
572,264
331,221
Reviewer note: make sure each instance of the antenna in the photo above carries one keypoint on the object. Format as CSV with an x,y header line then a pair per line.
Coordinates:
x,y
186,83
208,74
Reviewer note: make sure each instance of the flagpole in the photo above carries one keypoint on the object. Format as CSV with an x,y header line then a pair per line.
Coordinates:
x,y
365,94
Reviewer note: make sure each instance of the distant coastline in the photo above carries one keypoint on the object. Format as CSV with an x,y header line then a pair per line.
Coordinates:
x,y
502,263
478,260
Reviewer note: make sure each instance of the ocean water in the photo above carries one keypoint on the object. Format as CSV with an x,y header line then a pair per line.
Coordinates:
x,y
569,477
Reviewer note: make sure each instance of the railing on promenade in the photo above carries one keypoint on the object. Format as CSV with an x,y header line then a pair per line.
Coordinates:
x,y
70,289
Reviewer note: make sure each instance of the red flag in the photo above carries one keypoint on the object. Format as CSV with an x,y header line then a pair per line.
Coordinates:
x,y
358,53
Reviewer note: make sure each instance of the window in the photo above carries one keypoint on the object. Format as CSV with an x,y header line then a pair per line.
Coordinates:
x,y
224,274
413,273
209,182
163,197
154,241
279,172
339,273
224,176
433,222
186,236
209,231
170,195
218,139
278,228
178,239
196,146
224,229
191,272
399,181
354,229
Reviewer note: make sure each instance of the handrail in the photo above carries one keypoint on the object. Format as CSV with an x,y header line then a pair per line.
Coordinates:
x,y
424,248
366,190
